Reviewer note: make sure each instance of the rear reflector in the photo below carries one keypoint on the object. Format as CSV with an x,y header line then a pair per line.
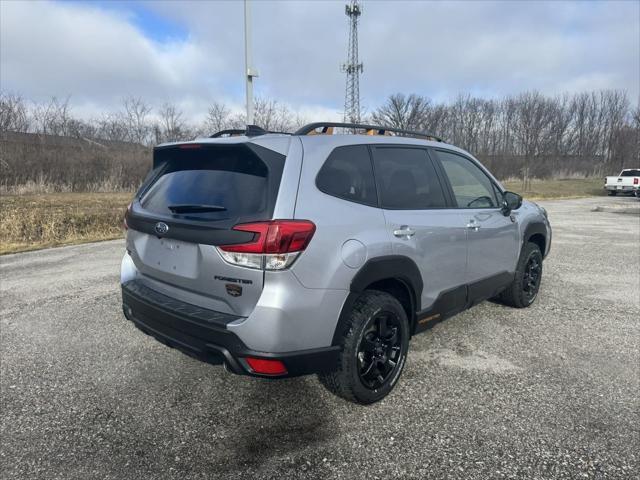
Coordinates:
x,y
266,367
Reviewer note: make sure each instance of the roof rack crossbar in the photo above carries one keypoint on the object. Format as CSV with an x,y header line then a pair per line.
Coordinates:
x,y
382,130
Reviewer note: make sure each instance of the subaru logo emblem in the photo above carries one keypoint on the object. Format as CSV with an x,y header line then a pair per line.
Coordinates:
x,y
161,228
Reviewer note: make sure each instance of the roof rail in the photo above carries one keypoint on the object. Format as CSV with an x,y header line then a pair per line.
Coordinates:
x,y
327,128
250,131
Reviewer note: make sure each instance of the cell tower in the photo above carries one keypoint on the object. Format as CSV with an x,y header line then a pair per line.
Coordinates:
x,y
352,67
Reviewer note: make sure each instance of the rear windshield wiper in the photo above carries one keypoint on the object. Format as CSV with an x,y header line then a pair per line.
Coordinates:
x,y
188,208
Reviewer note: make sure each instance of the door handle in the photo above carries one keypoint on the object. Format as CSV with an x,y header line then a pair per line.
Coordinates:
x,y
404,232
473,225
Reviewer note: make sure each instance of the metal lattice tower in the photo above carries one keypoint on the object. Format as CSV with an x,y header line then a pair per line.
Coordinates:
x,y
352,67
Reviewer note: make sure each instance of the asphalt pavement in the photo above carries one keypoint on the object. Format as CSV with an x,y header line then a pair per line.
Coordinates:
x,y
546,392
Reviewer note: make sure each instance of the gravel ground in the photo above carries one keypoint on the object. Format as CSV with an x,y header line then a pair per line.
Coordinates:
x,y
546,392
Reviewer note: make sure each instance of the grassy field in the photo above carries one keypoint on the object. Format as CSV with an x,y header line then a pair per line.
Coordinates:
x,y
30,222
563,188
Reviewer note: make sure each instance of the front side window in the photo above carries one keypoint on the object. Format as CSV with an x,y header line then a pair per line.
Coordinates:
x,y
347,174
407,179
472,188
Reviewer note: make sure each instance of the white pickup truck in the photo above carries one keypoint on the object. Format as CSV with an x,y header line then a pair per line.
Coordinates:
x,y
627,182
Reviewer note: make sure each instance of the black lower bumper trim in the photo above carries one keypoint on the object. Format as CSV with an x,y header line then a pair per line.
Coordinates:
x,y
169,321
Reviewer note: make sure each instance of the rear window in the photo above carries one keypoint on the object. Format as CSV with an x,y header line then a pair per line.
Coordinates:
x,y
348,174
631,173
213,183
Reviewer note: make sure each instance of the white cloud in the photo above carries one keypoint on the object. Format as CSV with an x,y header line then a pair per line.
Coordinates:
x,y
432,48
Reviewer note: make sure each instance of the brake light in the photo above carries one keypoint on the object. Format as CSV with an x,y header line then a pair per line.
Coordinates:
x,y
277,236
275,244
266,367
636,180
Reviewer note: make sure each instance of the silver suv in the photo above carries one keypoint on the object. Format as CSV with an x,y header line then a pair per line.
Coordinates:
x,y
321,252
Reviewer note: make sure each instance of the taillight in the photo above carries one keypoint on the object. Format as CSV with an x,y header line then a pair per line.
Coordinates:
x,y
636,180
275,244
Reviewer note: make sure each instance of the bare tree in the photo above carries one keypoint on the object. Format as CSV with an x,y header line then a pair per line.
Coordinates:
x,y
171,127
111,127
136,115
402,111
270,115
218,118
531,128
616,108
54,117
14,116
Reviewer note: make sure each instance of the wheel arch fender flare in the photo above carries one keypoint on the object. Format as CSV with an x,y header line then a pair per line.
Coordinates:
x,y
536,228
396,267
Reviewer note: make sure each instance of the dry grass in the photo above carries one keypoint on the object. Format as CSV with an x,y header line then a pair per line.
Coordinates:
x,y
42,185
29,222
561,188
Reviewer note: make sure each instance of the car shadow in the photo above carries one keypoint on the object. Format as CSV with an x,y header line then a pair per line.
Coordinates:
x,y
279,418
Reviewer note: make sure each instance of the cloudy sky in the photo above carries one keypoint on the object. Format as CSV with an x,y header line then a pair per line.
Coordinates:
x,y
191,53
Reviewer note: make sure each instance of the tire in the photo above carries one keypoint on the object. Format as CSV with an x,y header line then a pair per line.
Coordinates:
x,y
365,352
612,193
524,289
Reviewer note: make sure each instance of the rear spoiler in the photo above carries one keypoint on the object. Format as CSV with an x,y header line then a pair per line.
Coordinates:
x,y
250,131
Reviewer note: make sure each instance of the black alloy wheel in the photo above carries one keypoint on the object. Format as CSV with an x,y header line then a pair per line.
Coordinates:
x,y
532,276
527,280
380,350
375,340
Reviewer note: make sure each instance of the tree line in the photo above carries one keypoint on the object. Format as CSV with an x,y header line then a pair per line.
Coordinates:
x,y
585,133
525,135
136,121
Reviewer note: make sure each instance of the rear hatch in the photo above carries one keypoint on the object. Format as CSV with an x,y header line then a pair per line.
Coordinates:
x,y
189,204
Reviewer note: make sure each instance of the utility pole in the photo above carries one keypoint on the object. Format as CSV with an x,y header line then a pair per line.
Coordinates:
x,y
352,66
248,61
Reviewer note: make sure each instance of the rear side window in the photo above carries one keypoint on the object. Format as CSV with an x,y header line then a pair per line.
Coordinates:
x,y
348,174
472,187
407,179
212,183
631,173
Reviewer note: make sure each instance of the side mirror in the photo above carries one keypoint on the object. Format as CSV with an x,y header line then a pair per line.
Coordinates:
x,y
510,201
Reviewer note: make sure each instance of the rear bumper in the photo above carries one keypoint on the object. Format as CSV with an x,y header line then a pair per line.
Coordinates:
x,y
620,188
203,334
